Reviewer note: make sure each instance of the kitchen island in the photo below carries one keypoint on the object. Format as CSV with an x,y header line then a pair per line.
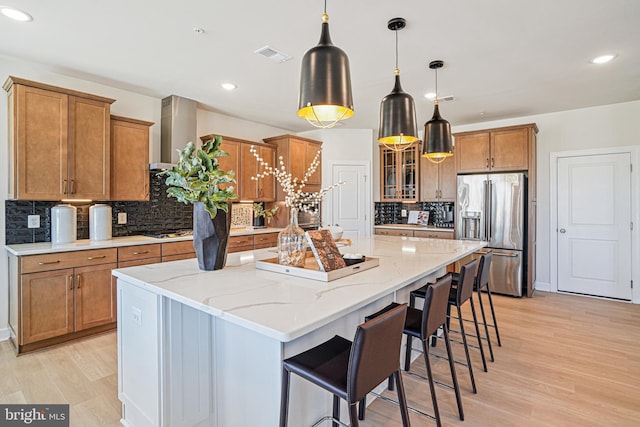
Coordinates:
x,y
205,348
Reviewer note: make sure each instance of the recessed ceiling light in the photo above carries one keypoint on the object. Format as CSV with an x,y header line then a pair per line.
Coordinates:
x,y
603,59
198,30
228,86
430,95
15,14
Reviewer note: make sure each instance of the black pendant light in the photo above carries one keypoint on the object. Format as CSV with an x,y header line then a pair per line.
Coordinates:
x,y
438,144
325,82
398,129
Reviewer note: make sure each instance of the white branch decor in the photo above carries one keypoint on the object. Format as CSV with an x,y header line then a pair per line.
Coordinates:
x,y
296,197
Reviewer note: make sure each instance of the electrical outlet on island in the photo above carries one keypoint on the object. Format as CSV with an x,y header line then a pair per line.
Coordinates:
x,y
122,217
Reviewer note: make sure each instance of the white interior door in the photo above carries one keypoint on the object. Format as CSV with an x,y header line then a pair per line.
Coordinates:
x,y
594,225
350,201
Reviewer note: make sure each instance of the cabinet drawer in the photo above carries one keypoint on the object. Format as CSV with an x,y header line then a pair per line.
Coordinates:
x,y
240,248
178,257
433,234
392,232
136,262
174,248
270,239
60,260
131,253
238,241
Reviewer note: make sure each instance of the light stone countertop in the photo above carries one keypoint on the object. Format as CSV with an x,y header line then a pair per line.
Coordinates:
x,y
85,244
286,307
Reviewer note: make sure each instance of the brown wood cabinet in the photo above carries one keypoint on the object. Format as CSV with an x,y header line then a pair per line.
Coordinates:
x,y
174,251
399,174
249,242
131,256
129,159
438,180
61,296
58,142
261,190
297,154
414,233
494,150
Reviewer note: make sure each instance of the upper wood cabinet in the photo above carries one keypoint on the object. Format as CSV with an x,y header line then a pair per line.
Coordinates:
x,y
399,174
297,154
261,190
129,159
495,150
58,142
438,180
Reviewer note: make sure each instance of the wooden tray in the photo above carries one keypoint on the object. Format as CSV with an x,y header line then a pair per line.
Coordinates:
x,y
312,271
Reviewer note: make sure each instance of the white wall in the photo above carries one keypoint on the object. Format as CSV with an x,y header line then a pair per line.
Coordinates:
x,y
614,125
210,122
343,144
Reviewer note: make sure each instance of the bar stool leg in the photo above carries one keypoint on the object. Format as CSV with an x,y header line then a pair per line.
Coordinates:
x,y
336,410
486,327
404,408
432,388
466,350
353,415
493,314
284,398
454,377
407,354
475,322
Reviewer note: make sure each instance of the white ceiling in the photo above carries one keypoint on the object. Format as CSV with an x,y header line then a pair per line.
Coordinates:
x,y
505,58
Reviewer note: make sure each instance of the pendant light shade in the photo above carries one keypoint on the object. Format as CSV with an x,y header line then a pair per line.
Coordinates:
x,y
398,128
325,83
438,144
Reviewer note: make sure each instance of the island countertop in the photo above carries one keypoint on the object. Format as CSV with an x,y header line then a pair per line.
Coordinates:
x,y
284,307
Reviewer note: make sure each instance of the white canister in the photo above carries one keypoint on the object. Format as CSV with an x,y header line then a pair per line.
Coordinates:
x,y
100,222
63,224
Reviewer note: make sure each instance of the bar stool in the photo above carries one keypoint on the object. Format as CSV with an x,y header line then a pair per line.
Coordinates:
x,y
422,324
350,370
457,297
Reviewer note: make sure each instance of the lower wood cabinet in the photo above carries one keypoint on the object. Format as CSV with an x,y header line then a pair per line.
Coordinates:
x,y
175,251
414,233
252,241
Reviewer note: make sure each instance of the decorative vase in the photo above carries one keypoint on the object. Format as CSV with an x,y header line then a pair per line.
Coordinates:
x,y
292,243
211,237
258,221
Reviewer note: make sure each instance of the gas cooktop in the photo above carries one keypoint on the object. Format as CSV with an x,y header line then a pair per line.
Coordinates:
x,y
165,234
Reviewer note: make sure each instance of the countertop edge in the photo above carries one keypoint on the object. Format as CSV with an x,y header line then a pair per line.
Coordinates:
x,y
413,227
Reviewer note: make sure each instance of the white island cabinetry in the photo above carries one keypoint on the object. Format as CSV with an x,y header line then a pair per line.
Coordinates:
x,y
200,348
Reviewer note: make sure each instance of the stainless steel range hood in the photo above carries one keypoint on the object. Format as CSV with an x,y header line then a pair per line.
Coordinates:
x,y
177,127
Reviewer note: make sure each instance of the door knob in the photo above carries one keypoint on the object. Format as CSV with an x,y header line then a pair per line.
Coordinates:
x,y
562,230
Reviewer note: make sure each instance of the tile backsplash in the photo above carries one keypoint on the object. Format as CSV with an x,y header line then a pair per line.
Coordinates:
x,y
158,214
391,212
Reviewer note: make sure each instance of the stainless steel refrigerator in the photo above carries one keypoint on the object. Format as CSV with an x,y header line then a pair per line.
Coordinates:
x,y
492,208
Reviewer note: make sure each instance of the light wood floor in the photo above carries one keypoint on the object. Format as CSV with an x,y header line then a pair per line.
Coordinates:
x,y
564,361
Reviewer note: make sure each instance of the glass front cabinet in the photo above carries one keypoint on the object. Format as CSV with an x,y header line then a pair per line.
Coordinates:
x,y
399,174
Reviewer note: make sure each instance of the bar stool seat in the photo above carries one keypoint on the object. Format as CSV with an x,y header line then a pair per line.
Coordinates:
x,y
350,370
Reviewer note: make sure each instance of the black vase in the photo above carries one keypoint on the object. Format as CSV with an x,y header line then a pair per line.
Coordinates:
x,y
211,237
258,221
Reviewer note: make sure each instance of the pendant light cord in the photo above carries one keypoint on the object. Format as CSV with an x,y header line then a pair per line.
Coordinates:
x,y
396,49
325,7
436,100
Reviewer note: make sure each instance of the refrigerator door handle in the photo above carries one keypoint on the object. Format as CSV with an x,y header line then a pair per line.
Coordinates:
x,y
506,255
490,210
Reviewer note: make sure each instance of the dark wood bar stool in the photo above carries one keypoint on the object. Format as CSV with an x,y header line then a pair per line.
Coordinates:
x,y
350,370
422,324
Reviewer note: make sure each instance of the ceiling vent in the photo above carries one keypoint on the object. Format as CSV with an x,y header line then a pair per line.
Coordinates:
x,y
446,98
272,54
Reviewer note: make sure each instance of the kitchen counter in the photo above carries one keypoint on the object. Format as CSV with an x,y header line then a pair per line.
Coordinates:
x,y
413,227
85,244
186,335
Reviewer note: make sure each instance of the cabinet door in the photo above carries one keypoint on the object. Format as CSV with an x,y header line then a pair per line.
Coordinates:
x,y
95,303
248,169
509,150
394,232
297,159
447,180
267,185
388,174
311,150
429,180
89,152
472,152
41,131
129,160
408,174
230,162
46,305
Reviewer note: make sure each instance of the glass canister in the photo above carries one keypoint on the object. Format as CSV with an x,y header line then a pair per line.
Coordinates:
x,y
292,243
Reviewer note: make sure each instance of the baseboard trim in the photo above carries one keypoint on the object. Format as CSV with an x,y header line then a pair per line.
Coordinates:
x,y
4,334
543,287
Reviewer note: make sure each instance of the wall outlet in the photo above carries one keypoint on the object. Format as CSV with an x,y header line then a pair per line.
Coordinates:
x,y
33,221
136,315
403,213
122,217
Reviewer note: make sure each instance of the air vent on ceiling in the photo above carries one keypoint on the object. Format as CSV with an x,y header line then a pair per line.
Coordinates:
x,y
272,54
445,98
